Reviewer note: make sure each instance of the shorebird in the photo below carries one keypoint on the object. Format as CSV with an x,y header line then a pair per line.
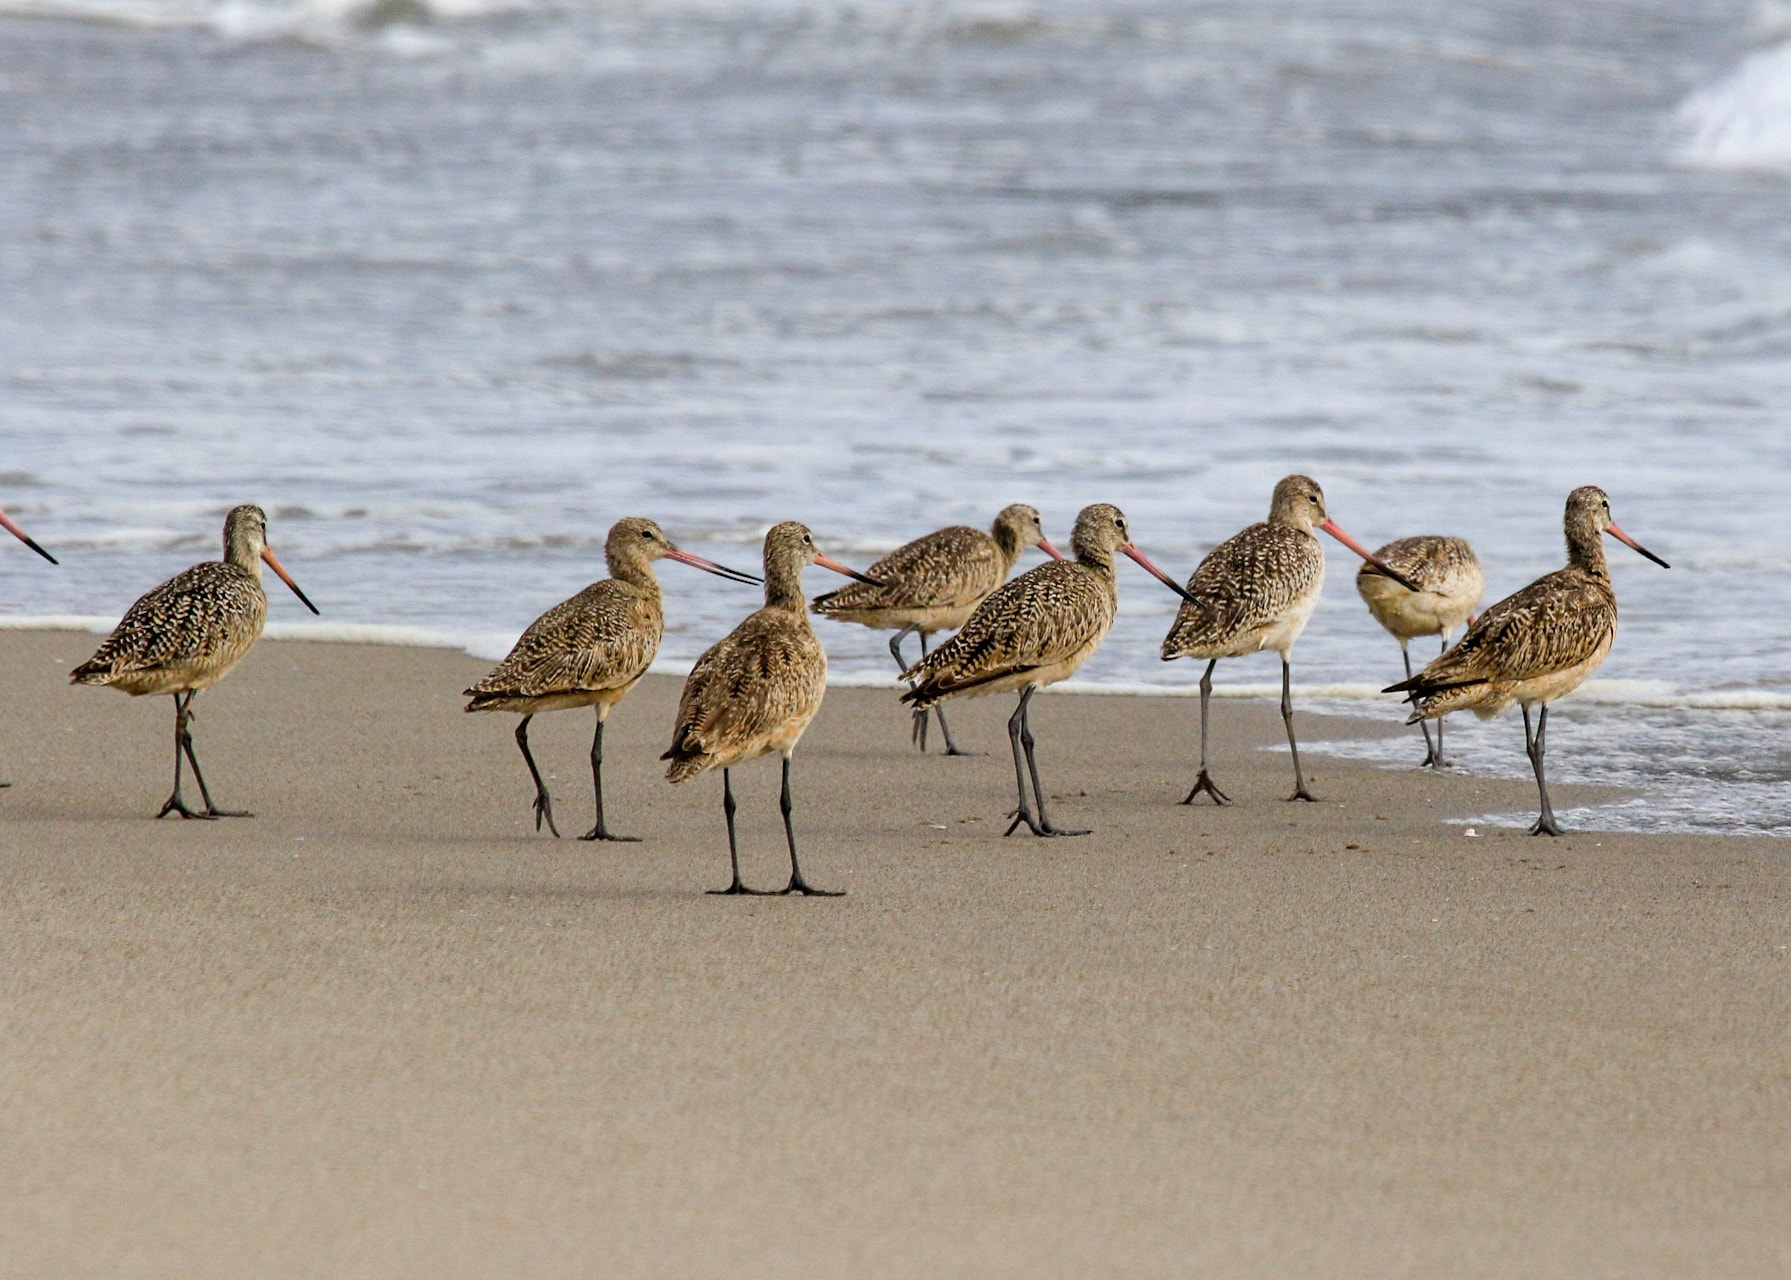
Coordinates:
x,y
7,524
1450,586
589,651
1032,632
756,689
934,584
1534,645
1255,591
185,635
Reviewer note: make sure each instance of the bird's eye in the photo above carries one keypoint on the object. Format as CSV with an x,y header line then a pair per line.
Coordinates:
x,y
646,533
810,541
1312,498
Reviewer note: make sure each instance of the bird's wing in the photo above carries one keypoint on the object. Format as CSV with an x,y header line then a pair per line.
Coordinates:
x,y
602,638
1557,621
1044,616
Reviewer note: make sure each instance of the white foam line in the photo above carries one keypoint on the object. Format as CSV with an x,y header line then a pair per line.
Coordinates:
x,y
363,633
492,646
60,622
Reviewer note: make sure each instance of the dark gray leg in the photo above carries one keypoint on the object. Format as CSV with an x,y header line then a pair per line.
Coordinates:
x,y
1204,782
1533,746
797,883
951,748
727,809
1432,758
1024,812
1442,760
183,745
174,804
601,832
1045,826
543,804
1300,792
917,734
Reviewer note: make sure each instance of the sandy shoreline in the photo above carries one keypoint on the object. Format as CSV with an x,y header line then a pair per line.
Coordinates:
x,y
384,1029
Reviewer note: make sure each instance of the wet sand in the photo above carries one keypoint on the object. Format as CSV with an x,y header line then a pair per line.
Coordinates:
x,y
384,1029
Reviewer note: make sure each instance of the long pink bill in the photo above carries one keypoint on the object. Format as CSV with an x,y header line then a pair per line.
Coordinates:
x,y
709,566
1044,544
1633,545
1132,551
7,524
828,562
277,567
1330,527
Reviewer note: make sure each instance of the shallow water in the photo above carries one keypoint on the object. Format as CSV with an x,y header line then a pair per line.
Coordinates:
x,y
448,289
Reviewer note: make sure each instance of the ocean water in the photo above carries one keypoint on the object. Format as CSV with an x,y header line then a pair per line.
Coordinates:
x,y
449,287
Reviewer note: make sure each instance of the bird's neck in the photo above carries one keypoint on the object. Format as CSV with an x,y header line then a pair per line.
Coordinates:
x,y
1007,542
244,555
783,587
1585,550
1097,558
637,571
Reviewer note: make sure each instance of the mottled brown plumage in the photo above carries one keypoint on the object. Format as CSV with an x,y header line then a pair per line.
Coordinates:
x,y
935,583
755,691
1255,591
589,651
1538,643
1447,573
188,633
1035,631
1449,580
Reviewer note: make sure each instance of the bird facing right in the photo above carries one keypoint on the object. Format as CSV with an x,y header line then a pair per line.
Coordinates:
x,y
1255,591
935,583
1035,631
1537,644
186,635
756,689
1450,585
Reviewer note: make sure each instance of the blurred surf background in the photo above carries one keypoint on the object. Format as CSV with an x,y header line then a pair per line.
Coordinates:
x,y
450,285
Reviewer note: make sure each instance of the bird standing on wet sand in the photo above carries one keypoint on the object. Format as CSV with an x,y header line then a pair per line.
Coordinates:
x,y
935,583
1032,632
1255,591
1450,585
1537,644
756,689
188,633
589,651
7,524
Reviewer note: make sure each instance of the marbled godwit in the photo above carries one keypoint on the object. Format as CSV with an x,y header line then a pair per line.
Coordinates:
x,y
1536,644
1032,632
756,689
1255,591
589,651
1450,586
7,524
934,584
186,634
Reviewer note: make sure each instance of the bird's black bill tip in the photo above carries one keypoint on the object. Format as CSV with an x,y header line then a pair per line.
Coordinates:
x,y
305,599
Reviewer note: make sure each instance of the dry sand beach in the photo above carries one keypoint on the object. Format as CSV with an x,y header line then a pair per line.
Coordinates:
x,y
384,1029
